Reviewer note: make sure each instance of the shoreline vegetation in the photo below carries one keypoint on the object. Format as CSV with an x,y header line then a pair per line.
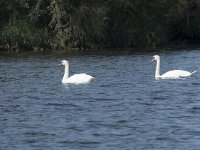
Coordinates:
x,y
118,51
78,26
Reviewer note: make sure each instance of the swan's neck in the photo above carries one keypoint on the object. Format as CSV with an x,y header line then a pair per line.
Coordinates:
x,y
66,73
157,73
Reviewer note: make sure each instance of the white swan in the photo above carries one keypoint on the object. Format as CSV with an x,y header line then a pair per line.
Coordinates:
x,y
75,79
173,74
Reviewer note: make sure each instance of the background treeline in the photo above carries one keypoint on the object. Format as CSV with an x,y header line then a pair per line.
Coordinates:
x,y
97,24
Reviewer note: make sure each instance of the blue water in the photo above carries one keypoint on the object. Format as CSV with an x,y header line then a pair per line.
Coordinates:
x,y
125,108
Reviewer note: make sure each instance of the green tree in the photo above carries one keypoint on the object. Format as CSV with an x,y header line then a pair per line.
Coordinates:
x,y
60,23
88,26
184,19
14,9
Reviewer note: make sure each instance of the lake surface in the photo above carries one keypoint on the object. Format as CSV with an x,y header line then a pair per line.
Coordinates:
x,y
125,108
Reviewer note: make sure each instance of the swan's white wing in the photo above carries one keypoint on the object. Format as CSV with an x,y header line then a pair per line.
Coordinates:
x,y
80,78
176,74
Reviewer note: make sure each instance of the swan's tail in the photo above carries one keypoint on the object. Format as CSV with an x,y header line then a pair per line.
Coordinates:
x,y
193,72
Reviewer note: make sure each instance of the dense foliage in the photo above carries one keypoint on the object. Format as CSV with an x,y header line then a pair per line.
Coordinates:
x,y
96,24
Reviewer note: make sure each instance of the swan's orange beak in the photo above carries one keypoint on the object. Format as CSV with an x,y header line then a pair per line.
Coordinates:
x,y
153,59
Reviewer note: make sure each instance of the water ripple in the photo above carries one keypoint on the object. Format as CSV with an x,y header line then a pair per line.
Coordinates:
x,y
124,108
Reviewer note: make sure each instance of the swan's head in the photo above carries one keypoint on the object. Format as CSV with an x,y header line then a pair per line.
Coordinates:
x,y
64,62
156,58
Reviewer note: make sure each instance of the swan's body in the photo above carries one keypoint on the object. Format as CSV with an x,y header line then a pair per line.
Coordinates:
x,y
173,74
75,79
